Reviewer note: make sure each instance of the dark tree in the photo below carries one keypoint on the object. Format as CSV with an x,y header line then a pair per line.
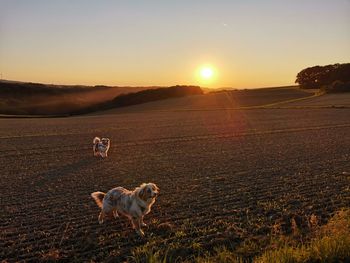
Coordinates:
x,y
323,76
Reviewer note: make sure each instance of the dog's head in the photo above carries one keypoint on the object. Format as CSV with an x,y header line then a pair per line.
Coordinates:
x,y
148,191
105,141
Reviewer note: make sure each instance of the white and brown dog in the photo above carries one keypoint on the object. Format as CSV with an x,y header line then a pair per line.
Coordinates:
x,y
132,204
101,146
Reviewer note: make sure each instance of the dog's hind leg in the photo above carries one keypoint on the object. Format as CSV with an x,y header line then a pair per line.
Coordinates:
x,y
141,222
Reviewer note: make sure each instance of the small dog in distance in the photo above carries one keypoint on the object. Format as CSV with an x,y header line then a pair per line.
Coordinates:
x,y
132,204
101,146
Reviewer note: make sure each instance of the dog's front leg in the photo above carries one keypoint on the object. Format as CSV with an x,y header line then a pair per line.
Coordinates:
x,y
115,213
137,226
101,217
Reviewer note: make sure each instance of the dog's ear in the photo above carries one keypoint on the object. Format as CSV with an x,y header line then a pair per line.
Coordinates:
x,y
141,192
155,187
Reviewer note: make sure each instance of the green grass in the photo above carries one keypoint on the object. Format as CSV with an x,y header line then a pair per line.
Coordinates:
x,y
330,243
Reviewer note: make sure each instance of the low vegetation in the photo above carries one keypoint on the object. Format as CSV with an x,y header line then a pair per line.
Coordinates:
x,y
328,243
331,243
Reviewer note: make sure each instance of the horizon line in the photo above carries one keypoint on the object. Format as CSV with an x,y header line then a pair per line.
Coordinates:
x,y
146,86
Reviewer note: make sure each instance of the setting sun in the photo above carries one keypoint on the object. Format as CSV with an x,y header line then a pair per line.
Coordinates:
x,y
206,73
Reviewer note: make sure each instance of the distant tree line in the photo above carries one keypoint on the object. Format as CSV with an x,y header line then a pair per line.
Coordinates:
x,y
155,94
330,78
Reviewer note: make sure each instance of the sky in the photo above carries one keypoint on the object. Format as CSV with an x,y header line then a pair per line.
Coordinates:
x,y
246,43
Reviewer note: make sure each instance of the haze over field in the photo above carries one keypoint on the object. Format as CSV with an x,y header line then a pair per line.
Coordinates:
x,y
144,43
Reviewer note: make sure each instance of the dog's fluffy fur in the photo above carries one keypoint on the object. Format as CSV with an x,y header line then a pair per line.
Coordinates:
x,y
101,146
132,204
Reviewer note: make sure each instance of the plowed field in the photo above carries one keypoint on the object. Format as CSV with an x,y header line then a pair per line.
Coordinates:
x,y
226,177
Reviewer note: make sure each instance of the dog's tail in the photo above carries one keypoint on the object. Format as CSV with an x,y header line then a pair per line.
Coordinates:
x,y
96,140
98,197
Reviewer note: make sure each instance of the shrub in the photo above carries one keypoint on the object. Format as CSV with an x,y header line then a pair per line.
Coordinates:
x,y
337,86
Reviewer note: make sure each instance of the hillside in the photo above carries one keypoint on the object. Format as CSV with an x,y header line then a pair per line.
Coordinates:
x,y
22,98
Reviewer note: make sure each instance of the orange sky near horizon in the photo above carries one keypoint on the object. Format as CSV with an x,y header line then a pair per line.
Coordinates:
x,y
161,43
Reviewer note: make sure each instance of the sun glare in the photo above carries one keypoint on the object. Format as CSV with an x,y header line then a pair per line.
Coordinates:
x,y
206,73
